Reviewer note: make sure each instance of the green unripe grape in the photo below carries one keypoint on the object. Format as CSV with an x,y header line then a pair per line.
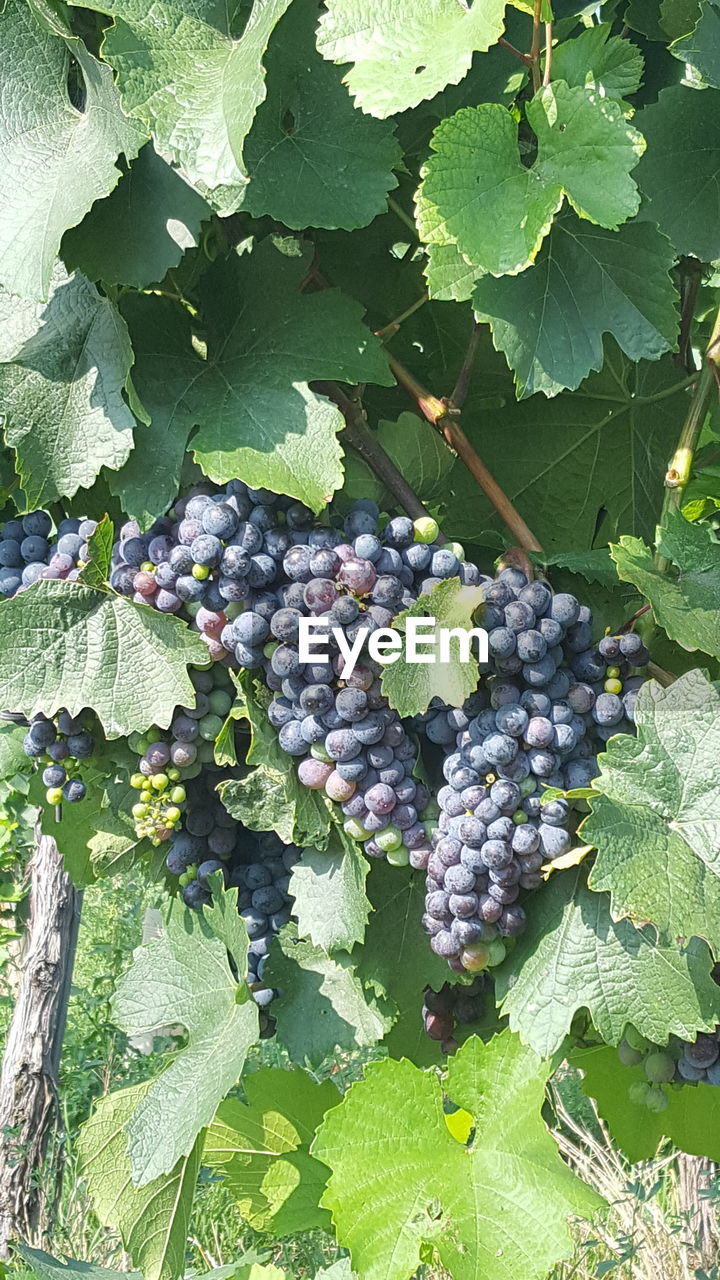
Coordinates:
x,y
220,702
172,815
527,786
184,879
638,1092
356,830
520,817
200,571
222,678
133,740
389,839
426,529
173,773
147,566
269,648
192,770
655,1100
475,958
138,781
398,857
231,611
191,607
192,870
636,1041
489,932
206,752
496,953
54,795
178,795
139,811
146,794
429,827
318,752
143,743
659,1067
457,549
613,686
159,781
209,727
628,1056
612,673
431,812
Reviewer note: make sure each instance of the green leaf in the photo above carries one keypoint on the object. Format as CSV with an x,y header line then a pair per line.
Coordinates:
x,y
184,976
45,1267
557,459
599,62
331,906
54,160
402,53
701,48
679,174
477,194
153,1221
594,566
270,797
257,418
409,686
261,1148
655,824
550,321
686,605
314,160
691,1120
138,233
420,453
397,1189
100,544
185,75
63,644
166,368
396,958
12,757
322,1006
65,365
450,278
573,956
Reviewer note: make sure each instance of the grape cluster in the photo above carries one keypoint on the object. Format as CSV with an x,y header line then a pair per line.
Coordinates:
x,y
258,866
58,745
451,1004
551,701
27,552
169,759
680,1062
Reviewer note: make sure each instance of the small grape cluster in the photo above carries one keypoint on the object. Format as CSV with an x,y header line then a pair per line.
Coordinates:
x,y
258,866
451,1004
681,1062
58,745
553,703
168,760
27,552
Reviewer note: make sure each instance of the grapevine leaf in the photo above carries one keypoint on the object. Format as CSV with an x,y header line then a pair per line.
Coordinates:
x,y
397,1189
599,62
331,906
256,417
323,1006
550,321
691,1120
594,566
185,75
655,824
152,1220
574,957
701,48
477,194
558,459
270,797
450,278
65,366
12,757
54,160
261,1149
45,1267
396,958
409,686
686,606
166,367
305,125
340,1270
184,976
139,232
63,644
683,135
403,54
100,544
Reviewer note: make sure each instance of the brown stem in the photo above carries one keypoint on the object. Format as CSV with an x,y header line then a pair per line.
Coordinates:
x,y
523,57
548,53
392,326
358,435
662,676
437,412
626,626
460,390
535,47
691,274
516,558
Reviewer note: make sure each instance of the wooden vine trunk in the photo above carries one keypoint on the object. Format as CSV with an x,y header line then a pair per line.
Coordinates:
x,y
30,1152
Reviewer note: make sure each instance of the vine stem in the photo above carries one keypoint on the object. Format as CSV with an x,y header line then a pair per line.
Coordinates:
x,y
535,47
523,57
460,390
548,54
678,472
392,326
443,416
400,213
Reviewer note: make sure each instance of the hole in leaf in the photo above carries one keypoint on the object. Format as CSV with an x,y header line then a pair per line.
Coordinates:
x,y
419,69
77,92
287,124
